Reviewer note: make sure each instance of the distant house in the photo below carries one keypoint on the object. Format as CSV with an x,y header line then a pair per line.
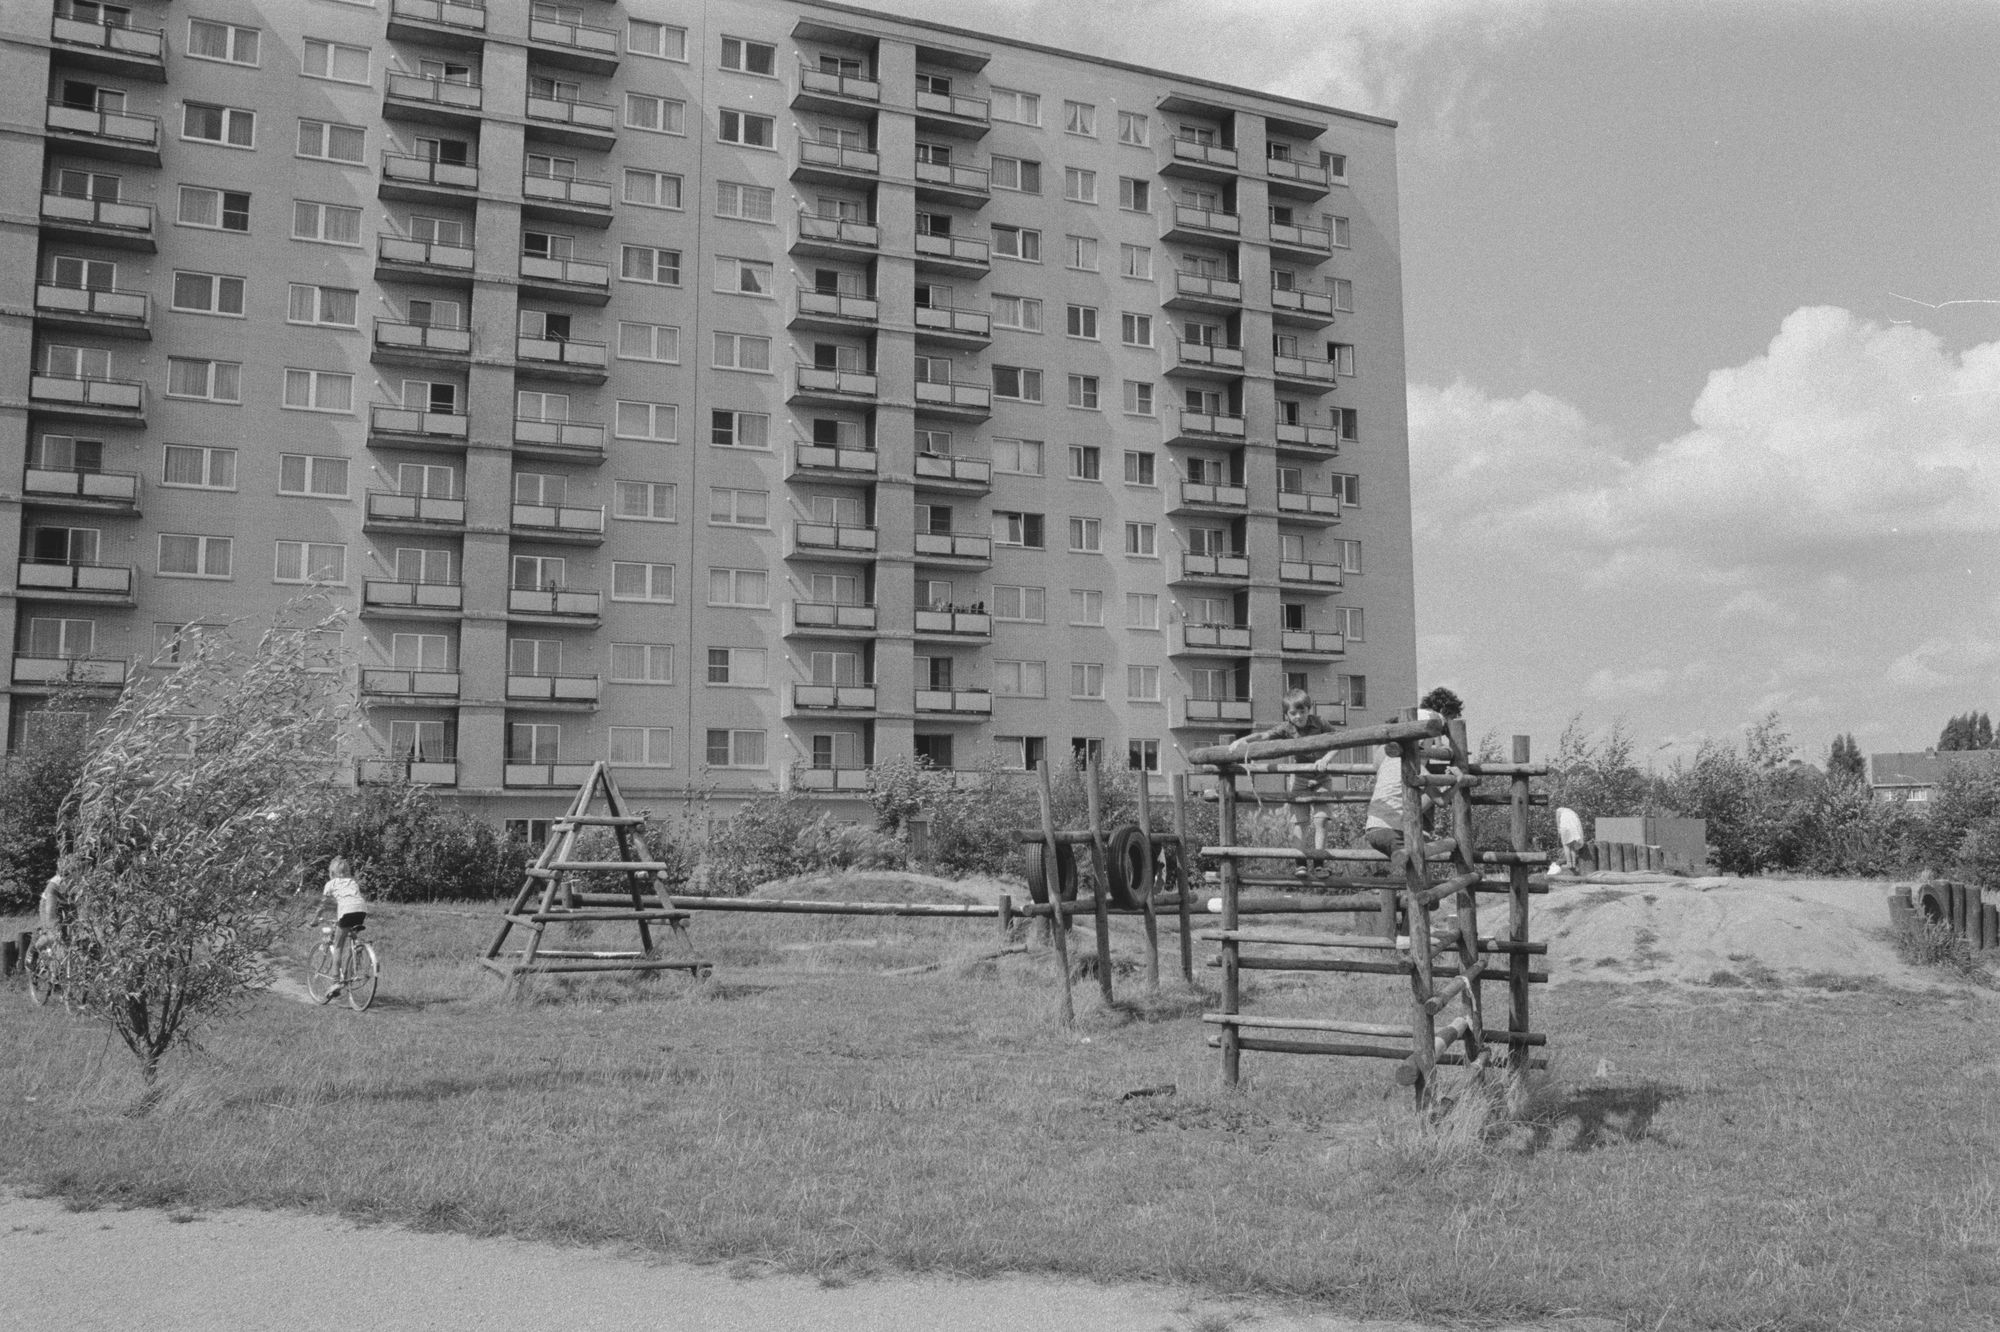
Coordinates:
x,y
1915,777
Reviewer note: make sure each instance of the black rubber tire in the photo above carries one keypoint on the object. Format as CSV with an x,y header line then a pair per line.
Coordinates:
x,y
1933,903
1038,881
41,976
363,970
1129,857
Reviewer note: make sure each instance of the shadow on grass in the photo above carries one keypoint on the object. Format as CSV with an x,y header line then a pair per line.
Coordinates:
x,y
1589,1118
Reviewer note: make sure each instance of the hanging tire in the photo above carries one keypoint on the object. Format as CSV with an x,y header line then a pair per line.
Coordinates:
x,y
1038,876
1934,903
1130,867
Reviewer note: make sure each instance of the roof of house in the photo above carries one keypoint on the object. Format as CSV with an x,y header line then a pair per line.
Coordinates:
x,y
1923,768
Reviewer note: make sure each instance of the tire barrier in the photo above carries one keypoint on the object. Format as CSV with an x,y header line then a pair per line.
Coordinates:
x,y
1129,866
1962,908
1038,875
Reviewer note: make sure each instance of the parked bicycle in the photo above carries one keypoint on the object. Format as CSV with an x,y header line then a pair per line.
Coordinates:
x,y
46,965
346,968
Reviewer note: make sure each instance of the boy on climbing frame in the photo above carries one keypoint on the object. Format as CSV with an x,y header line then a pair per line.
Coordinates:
x,y
1301,719
1384,828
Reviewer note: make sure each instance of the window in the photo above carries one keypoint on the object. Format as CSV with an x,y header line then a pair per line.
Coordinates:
x,y
1019,604
1351,690
312,474
540,488
1080,118
644,501
1349,621
1086,606
1082,321
310,562
751,203
1083,391
660,115
1021,175
742,127
649,342
1348,421
1142,539
644,263
1085,462
1136,261
528,405
1018,457
1336,167
652,189
1011,381
1135,330
222,210
539,165
735,749
1021,679
1135,195
646,420
65,639
1142,685
730,507
319,391
439,230
331,60
1082,253
1339,228
931,369
748,277
1018,529
741,351
1138,398
1343,294
738,587
663,41
747,57
1018,312
1086,534
332,223
1348,486
77,362
1079,186
1132,128
217,381
331,142
1342,356
736,666
1350,555
1142,610
208,293
1023,243
1086,679
332,306
221,41
635,581
194,556
533,742
1142,755
642,746
642,663
1011,104
206,122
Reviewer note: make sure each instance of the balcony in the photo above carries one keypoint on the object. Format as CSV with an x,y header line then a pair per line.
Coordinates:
x,y
1309,504
1312,373
955,625
53,581
1312,643
575,122
1213,711
835,163
950,398
834,237
1288,176
953,548
1305,241
460,23
961,328
953,183
1189,427
833,386
412,428
50,672
55,487
835,310
1208,495
1188,223
1333,714
1212,640
1297,437
1227,568
100,310
119,136
425,180
568,689
825,459
562,358
831,779
1207,360
954,115
573,45
1312,574
134,53
824,90
585,203
409,686
398,343
832,698
416,600
391,511
582,281
1205,161
948,471
1291,305
563,441
1204,291
398,771
432,101
123,226
546,776
955,704
105,402
558,522
961,256
422,261
544,604
832,541
815,618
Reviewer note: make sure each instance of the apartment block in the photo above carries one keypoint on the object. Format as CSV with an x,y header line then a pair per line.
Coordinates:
x,y
742,393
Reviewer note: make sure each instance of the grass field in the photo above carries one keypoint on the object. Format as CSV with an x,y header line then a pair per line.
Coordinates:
x,y
1747,1156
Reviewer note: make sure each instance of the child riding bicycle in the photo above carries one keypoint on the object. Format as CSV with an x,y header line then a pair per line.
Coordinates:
x,y
350,909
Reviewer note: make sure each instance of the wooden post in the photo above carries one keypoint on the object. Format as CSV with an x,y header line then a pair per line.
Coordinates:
x,y
1100,860
1517,913
1467,904
1232,1051
1146,902
1184,862
1052,875
1417,920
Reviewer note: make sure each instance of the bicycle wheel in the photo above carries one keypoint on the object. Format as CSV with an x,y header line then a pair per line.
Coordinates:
x,y
320,974
362,973
41,976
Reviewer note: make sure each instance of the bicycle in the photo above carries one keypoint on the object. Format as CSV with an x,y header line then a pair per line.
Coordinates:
x,y
44,965
353,973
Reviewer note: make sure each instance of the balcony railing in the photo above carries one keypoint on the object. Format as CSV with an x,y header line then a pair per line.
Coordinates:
x,y
568,190
1212,221
1200,711
832,458
845,383
100,303
423,254
964,624
1292,300
839,305
392,683
467,14
390,594
838,231
98,214
1207,287
571,518
1202,492
1220,425
954,249
1319,573
452,94
109,395
951,320
807,615
952,176
954,396
106,580
393,507
573,353
1309,436
1215,637
1292,171
1297,236
406,169
103,487
1231,566
148,44
960,702
1209,355
416,772
553,601
1321,641
953,546
1312,503
417,423
831,779
592,116
833,698
951,467
582,37
567,272
127,129
547,775
552,688
952,104
830,84
33,670
429,339
833,537
1192,153
1303,369
839,157
580,436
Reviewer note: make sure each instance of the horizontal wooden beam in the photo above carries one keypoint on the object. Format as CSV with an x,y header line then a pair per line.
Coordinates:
x,y
1358,737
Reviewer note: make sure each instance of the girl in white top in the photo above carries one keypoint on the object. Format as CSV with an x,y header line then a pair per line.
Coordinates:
x,y
343,894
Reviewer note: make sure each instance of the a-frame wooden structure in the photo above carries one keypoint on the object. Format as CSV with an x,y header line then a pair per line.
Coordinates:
x,y
549,895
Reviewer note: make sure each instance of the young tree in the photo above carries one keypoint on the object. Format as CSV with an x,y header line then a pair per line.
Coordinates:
x,y
34,782
194,805
1845,765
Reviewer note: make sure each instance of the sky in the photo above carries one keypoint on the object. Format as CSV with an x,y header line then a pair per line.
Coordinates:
x,y
1702,318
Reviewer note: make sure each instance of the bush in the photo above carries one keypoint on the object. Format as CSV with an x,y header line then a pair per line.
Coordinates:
x,y
408,845
34,782
780,837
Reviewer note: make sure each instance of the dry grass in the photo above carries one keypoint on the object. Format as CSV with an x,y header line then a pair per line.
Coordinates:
x,y
1712,1158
